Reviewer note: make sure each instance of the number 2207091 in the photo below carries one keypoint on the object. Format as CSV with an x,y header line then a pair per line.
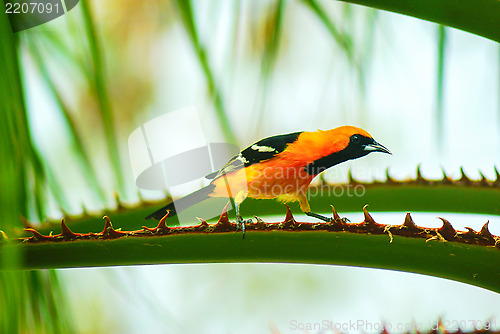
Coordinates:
x,y
31,7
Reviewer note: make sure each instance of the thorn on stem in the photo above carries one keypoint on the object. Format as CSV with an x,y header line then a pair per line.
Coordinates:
x,y
445,179
109,232
202,221
37,235
66,232
388,176
419,174
409,223
368,218
336,217
224,219
119,204
289,219
162,224
464,179
447,231
485,232
107,224
351,179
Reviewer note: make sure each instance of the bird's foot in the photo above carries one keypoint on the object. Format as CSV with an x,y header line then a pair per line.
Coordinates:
x,y
241,223
324,218
258,219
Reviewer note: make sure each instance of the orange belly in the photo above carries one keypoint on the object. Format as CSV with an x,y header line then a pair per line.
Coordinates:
x,y
264,181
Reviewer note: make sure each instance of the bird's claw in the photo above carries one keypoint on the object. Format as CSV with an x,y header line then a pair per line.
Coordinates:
x,y
241,223
326,219
258,219
344,220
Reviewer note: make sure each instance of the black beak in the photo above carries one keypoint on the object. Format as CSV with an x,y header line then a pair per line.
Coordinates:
x,y
376,147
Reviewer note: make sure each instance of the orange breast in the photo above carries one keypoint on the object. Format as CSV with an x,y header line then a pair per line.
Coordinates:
x,y
271,179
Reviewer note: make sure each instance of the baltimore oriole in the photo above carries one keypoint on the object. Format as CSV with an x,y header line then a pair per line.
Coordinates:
x,y
280,167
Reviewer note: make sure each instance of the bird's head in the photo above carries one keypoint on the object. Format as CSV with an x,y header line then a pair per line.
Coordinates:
x,y
338,145
355,142
320,150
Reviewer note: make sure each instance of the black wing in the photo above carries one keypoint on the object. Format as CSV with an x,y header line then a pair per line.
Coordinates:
x,y
262,150
267,148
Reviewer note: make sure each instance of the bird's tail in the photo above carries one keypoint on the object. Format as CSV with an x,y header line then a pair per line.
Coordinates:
x,y
183,203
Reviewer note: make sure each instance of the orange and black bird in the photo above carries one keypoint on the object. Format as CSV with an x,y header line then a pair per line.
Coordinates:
x,y
280,167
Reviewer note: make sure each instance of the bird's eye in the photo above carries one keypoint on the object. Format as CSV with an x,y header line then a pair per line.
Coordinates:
x,y
355,139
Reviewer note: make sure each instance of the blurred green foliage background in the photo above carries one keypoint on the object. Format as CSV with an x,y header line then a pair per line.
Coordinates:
x,y
72,91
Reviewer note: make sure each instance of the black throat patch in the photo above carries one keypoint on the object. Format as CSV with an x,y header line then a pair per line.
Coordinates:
x,y
352,151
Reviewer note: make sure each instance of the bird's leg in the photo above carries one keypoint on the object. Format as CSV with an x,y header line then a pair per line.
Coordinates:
x,y
304,206
240,222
